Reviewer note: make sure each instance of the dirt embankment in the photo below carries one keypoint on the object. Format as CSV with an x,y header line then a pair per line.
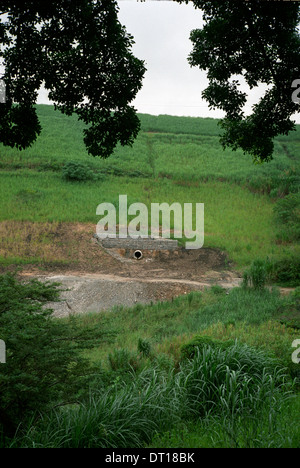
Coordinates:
x,y
96,279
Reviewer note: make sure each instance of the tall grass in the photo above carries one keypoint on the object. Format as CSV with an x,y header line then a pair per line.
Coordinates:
x,y
234,385
253,317
216,433
123,415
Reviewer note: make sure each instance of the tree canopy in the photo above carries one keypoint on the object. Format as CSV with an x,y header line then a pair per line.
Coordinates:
x,y
260,41
82,55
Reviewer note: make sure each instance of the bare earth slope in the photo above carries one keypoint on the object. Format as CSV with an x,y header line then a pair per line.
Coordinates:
x,y
94,279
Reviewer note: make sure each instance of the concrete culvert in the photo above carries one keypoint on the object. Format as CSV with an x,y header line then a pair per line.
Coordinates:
x,y
138,255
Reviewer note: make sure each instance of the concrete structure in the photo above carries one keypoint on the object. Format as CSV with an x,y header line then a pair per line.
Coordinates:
x,y
150,243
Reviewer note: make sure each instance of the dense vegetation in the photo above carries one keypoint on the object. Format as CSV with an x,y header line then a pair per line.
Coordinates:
x,y
208,369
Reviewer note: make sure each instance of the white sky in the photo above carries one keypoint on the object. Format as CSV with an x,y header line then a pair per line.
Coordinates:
x,y
161,30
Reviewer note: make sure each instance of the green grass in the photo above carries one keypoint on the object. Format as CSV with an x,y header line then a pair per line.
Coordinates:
x,y
181,160
173,159
238,389
179,147
235,219
143,393
248,316
233,388
212,434
168,325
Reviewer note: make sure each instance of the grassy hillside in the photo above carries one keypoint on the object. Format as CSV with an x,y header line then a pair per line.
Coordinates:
x,y
173,159
177,147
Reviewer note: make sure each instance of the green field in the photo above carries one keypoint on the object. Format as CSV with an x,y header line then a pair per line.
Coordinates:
x,y
174,159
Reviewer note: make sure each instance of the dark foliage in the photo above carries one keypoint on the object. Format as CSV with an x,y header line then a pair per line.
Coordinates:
x,y
82,54
260,41
44,366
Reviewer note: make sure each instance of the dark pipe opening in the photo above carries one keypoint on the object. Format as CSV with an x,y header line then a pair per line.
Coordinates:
x,y
138,254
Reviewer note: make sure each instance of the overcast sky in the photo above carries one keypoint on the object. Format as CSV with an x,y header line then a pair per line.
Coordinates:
x,y
161,31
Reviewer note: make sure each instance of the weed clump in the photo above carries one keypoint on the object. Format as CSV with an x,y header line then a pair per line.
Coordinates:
x,y
77,171
257,275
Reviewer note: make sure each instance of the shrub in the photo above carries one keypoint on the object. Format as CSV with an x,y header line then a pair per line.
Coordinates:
x,y
77,171
286,272
257,275
43,362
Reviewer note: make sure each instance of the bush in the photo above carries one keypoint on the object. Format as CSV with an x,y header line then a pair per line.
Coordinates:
x,y
77,171
257,275
286,272
43,362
